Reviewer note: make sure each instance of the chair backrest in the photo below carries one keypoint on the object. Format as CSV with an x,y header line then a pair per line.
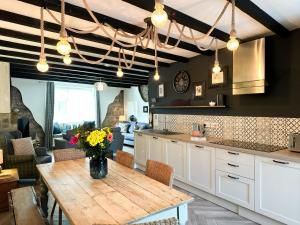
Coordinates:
x,y
68,154
124,158
118,140
160,172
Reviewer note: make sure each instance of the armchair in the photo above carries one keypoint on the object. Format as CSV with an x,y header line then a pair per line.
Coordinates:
x,y
26,164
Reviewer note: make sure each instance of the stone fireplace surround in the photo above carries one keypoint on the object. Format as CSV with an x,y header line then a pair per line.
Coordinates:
x,y
264,130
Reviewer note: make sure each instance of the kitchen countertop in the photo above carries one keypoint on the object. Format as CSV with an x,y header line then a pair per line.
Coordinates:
x,y
284,154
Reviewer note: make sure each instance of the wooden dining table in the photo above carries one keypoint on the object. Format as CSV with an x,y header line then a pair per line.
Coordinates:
x,y
124,196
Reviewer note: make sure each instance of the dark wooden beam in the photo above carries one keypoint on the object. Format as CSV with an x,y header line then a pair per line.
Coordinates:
x,y
82,13
50,41
52,27
262,17
75,64
113,79
181,18
36,49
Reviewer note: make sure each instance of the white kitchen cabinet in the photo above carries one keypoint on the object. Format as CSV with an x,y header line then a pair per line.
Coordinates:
x,y
277,189
141,148
201,167
175,156
236,189
156,148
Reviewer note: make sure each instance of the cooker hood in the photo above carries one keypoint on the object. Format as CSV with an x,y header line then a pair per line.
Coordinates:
x,y
249,68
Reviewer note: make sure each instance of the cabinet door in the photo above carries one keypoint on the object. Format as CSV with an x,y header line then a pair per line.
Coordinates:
x,y
236,189
201,167
277,189
175,156
141,147
156,147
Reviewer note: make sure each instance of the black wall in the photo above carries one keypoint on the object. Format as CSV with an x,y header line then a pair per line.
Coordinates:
x,y
282,98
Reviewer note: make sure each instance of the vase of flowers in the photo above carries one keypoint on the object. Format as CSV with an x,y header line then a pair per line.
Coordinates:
x,y
95,143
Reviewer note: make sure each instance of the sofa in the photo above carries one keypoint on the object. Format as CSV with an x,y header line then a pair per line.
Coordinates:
x,y
26,164
128,128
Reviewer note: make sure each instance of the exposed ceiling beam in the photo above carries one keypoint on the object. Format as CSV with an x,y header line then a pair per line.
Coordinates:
x,y
82,13
31,69
52,27
181,18
50,41
83,66
262,17
37,50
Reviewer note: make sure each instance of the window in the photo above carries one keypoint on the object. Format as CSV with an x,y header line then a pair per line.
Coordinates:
x,y
74,105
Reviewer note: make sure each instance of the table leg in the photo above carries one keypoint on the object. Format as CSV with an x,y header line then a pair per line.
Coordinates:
x,y
182,213
44,197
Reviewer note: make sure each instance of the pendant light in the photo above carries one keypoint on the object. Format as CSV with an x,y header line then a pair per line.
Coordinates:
x,y
67,59
159,17
216,68
42,65
100,86
63,46
233,42
156,75
120,72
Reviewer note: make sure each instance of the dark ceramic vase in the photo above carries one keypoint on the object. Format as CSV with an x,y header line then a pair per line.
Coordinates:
x,y
98,167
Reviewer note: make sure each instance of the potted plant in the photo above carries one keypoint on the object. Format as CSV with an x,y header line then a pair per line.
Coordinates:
x,y
95,142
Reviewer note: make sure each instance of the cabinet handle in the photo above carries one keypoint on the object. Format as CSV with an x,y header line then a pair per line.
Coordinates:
x,y
199,146
232,177
233,165
233,153
276,161
173,141
155,137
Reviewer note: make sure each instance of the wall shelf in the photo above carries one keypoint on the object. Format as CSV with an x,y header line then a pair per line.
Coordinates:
x,y
189,106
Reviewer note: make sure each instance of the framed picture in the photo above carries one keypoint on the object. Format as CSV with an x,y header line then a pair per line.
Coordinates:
x,y
218,79
145,109
199,89
161,91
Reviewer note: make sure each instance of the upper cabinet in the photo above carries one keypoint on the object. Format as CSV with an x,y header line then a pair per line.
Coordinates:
x,y
201,167
277,189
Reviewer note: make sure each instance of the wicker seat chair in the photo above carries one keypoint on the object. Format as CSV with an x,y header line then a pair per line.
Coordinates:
x,y
125,158
63,155
160,172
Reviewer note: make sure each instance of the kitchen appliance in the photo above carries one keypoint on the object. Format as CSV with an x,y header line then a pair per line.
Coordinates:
x,y
249,68
294,142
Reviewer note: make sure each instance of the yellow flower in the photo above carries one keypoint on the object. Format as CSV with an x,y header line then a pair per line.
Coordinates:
x,y
96,137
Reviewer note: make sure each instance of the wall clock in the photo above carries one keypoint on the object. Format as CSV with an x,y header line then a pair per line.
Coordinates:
x,y
181,82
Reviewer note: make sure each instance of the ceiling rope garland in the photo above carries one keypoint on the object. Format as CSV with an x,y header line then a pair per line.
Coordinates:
x,y
159,18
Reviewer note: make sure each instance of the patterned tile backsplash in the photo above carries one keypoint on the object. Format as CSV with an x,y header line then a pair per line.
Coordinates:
x,y
264,130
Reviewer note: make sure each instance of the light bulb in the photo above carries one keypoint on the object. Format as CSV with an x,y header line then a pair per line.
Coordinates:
x,y
63,46
159,17
67,59
233,43
156,75
120,72
42,65
100,86
216,68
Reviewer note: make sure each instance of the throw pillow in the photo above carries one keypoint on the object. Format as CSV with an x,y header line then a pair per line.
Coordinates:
x,y
124,127
23,146
132,128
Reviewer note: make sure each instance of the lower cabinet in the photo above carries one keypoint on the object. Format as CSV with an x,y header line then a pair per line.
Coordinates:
x,y
277,189
201,167
156,148
141,148
236,189
175,156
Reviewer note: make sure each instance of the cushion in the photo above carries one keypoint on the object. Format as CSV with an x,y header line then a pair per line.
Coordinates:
x,y
133,127
23,146
124,127
129,136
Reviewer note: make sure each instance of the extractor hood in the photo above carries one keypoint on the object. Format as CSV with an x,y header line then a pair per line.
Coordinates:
x,y
249,68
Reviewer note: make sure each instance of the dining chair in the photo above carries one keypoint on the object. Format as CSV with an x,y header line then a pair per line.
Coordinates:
x,y
125,158
169,221
63,155
160,171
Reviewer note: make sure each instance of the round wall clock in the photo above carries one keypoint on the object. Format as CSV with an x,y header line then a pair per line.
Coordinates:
x,y
181,82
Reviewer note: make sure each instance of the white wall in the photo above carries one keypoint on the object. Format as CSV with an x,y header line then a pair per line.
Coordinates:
x,y
34,97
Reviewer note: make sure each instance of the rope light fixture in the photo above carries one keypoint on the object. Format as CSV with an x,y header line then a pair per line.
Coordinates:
x,y
216,68
159,19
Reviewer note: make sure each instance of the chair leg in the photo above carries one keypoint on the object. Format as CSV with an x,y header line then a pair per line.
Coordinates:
x,y
52,212
59,216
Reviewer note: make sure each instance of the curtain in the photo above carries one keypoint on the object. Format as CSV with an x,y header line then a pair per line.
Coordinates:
x,y
49,115
98,119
